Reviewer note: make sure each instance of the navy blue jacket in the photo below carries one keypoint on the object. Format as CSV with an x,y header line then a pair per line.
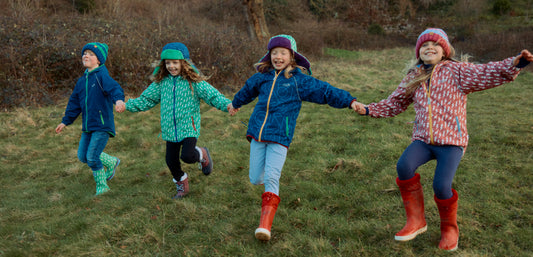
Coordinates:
x,y
279,102
93,97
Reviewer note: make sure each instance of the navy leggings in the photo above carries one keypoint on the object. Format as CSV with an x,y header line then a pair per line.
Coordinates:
x,y
418,153
189,154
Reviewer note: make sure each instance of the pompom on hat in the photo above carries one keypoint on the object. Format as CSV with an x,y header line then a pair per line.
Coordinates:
x,y
436,35
99,49
176,51
288,42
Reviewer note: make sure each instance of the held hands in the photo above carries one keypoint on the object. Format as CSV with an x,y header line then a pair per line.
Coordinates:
x,y
524,54
232,111
358,107
120,106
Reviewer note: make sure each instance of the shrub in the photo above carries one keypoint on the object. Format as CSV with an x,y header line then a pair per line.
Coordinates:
x,y
501,7
375,29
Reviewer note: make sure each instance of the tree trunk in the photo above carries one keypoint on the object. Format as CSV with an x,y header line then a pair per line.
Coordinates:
x,y
255,15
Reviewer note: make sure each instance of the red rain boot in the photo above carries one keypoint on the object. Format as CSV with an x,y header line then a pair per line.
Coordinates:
x,y
449,231
413,202
268,210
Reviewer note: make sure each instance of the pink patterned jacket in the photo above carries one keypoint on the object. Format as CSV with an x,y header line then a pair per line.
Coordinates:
x,y
441,107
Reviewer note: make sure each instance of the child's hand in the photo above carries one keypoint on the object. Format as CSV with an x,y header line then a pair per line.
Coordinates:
x,y
60,128
120,106
358,107
232,111
524,54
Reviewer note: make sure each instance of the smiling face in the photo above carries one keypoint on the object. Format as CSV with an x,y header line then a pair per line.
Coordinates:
x,y
89,60
280,57
173,67
431,52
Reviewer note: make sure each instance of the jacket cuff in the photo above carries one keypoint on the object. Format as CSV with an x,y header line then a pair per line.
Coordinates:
x,y
522,63
351,102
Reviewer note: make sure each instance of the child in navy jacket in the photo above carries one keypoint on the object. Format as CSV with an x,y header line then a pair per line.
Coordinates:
x,y
280,86
93,97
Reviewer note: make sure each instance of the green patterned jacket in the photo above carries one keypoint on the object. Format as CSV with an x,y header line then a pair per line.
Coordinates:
x,y
180,105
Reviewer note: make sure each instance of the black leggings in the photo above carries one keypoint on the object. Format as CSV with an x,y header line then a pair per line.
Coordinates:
x,y
188,155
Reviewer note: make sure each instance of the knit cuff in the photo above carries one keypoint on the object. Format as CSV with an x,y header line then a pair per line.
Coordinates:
x,y
522,63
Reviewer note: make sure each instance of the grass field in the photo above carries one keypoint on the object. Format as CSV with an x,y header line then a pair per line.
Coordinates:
x,y
338,191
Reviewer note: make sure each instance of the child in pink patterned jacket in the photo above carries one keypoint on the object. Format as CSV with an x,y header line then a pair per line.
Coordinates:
x,y
438,86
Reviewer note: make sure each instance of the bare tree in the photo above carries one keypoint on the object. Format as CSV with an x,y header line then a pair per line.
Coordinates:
x,y
255,15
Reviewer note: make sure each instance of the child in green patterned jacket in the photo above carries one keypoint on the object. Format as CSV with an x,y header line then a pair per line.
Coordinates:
x,y
179,87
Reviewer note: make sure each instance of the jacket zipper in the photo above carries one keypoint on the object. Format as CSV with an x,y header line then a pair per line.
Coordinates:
x,y
86,99
268,105
174,109
428,93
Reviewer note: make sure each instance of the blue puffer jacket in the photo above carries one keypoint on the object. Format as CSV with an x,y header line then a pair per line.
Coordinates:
x,y
279,102
93,97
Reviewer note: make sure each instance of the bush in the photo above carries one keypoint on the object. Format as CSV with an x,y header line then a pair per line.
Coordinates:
x,y
501,7
375,29
40,59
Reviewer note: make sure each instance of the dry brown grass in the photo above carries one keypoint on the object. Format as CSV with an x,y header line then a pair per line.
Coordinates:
x,y
42,39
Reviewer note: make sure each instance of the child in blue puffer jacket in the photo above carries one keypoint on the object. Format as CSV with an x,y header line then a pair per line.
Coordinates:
x,y
93,97
280,86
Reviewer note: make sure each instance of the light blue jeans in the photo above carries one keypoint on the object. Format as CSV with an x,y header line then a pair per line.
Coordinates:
x,y
266,162
91,146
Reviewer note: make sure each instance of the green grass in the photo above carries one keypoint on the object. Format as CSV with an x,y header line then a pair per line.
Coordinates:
x,y
338,191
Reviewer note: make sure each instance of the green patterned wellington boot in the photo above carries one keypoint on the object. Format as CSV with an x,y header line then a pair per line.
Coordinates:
x,y
101,184
110,163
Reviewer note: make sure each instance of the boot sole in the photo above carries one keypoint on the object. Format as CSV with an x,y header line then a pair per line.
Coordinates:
x,y
262,234
411,236
450,250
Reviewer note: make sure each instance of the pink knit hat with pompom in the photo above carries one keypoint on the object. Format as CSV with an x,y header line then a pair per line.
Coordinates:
x,y
436,35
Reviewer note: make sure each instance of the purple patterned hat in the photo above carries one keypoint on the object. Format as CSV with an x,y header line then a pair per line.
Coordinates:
x,y
288,42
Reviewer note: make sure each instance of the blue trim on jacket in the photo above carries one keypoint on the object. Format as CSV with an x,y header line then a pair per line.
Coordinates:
x,y
285,102
93,97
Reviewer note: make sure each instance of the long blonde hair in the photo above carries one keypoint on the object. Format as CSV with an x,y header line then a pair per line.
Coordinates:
x,y
423,73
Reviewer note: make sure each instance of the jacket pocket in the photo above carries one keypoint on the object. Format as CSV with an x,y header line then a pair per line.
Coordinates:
x,y
101,117
193,125
287,126
458,127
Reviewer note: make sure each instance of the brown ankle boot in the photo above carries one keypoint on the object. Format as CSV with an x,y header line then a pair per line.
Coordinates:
x,y
182,187
268,210
206,163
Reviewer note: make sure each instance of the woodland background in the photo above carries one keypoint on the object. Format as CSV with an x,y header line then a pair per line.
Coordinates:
x,y
42,39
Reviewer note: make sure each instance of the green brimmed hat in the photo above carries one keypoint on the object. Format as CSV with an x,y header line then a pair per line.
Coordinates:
x,y
176,51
